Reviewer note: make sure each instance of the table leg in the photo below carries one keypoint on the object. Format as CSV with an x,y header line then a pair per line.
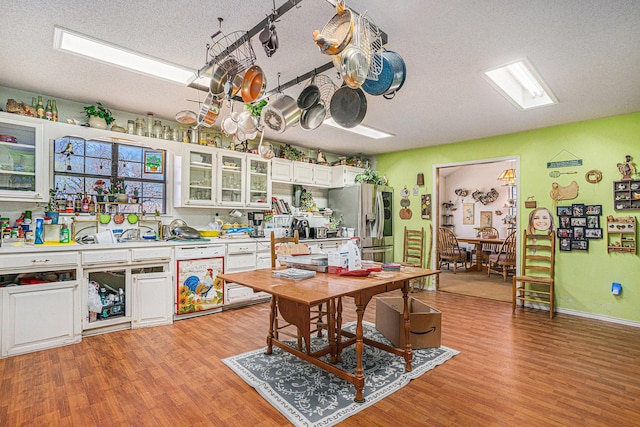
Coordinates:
x,y
272,321
332,330
339,330
408,355
359,379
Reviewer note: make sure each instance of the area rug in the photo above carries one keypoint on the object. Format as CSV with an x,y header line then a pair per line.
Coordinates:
x,y
310,396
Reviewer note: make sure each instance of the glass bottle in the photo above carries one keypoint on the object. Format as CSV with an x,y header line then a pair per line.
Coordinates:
x,y
69,207
61,201
85,204
48,111
34,107
40,108
54,110
92,206
157,129
77,203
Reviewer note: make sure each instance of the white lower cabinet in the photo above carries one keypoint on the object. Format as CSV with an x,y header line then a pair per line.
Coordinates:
x,y
36,317
153,300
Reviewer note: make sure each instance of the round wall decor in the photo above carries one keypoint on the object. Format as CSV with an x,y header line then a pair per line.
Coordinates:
x,y
594,176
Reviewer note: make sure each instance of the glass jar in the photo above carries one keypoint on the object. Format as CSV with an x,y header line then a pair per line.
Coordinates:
x,y
140,126
131,127
157,129
150,125
176,135
166,132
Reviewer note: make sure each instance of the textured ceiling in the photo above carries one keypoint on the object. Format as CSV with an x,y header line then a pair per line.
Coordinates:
x,y
586,50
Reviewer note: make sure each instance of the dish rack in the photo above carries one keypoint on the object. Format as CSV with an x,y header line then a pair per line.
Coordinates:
x,y
233,52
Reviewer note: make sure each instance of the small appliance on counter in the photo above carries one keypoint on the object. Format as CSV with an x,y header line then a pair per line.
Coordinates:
x,y
318,232
302,226
256,221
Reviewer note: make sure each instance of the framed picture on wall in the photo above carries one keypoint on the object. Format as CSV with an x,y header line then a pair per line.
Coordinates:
x,y
578,221
425,206
593,221
577,210
593,233
593,209
153,161
486,219
468,213
565,244
579,245
564,211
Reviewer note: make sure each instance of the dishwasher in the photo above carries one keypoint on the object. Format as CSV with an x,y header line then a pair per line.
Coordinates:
x,y
199,290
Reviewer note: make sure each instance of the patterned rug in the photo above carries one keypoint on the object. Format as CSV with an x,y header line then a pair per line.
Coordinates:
x,y
310,396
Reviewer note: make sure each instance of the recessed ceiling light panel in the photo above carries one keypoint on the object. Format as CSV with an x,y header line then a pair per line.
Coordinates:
x,y
521,84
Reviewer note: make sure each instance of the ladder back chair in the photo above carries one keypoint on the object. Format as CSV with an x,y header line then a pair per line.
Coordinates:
x,y
449,251
487,248
504,260
316,312
413,253
536,282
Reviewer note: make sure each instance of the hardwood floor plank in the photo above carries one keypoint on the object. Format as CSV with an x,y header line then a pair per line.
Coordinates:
x,y
513,370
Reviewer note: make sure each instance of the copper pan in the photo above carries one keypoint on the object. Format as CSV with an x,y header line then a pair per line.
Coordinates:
x,y
254,84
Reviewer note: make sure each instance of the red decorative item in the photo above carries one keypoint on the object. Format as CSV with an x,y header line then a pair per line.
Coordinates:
x,y
118,218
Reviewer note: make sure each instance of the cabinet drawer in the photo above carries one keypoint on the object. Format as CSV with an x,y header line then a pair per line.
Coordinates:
x,y
45,259
241,248
240,262
143,254
104,257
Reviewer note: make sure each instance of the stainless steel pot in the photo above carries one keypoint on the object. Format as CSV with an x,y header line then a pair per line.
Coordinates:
x,y
224,83
254,84
309,96
281,113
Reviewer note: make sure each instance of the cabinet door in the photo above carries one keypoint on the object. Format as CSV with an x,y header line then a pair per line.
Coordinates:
x,y
231,179
198,177
258,182
152,300
22,151
302,173
37,317
322,175
344,176
281,170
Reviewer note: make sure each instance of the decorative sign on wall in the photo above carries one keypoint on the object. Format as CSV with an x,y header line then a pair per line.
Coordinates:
x,y
426,206
553,163
468,213
578,224
405,212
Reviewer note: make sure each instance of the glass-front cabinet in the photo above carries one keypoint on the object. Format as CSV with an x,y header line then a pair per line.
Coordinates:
x,y
22,152
198,176
231,179
258,183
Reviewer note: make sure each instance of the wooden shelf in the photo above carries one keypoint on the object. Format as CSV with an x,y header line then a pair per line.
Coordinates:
x,y
621,234
626,195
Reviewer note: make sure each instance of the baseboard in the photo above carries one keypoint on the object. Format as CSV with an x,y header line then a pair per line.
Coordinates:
x,y
598,317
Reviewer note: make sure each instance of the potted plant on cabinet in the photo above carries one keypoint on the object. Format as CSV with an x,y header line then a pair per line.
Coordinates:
x,y
50,210
99,116
101,191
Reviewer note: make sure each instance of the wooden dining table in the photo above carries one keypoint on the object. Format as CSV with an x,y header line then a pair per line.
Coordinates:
x,y
479,242
293,299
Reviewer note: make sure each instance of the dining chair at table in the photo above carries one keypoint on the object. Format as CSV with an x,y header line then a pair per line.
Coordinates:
x,y
317,311
449,251
413,253
487,248
536,281
504,260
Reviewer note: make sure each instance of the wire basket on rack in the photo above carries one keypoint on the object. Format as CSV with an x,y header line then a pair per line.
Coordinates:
x,y
233,52
327,89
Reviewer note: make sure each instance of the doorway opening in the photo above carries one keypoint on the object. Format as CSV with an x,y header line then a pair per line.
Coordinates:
x,y
470,196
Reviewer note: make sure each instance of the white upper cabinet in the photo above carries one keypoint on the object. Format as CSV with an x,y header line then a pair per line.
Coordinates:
x,y
197,185
302,173
344,176
23,151
281,170
231,179
258,182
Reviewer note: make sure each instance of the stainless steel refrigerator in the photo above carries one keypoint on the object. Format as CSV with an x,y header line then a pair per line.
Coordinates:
x,y
368,208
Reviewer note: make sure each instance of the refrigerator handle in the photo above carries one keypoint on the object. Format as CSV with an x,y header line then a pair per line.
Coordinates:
x,y
379,214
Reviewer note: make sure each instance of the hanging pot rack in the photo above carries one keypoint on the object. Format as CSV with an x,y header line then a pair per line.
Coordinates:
x,y
287,6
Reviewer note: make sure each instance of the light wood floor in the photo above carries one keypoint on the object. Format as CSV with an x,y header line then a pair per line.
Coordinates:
x,y
513,370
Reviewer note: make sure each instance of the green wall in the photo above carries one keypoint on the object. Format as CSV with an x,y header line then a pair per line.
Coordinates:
x,y
583,279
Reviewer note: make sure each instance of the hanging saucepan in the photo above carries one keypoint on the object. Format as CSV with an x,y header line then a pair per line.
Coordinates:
x,y
356,58
348,106
221,75
309,96
254,84
269,39
279,114
209,111
313,117
390,79
229,124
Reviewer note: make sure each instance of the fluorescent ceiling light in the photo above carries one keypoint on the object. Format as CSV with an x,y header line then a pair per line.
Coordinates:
x,y
80,44
520,83
360,130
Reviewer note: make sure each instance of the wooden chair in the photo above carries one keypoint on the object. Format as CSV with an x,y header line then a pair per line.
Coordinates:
x,y
413,253
504,260
487,248
536,283
317,313
449,251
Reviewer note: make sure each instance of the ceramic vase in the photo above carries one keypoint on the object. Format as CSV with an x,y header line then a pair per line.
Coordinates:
x,y
97,122
122,198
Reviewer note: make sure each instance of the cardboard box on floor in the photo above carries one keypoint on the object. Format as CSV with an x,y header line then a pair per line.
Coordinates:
x,y
425,322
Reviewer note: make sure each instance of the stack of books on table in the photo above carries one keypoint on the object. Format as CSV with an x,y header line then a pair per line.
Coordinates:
x,y
294,273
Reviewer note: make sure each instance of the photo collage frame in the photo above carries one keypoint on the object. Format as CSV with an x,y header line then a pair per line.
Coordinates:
x,y
577,224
